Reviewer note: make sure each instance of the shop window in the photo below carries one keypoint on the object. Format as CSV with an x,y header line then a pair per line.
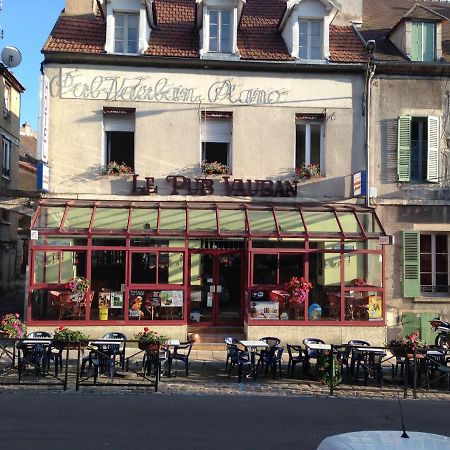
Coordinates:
x,y
6,158
308,144
156,304
157,268
265,269
143,268
418,149
119,127
126,33
216,145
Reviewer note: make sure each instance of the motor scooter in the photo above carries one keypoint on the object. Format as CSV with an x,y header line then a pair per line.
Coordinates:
x,y
443,329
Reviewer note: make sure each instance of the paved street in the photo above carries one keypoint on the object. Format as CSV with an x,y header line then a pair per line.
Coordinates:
x,y
55,421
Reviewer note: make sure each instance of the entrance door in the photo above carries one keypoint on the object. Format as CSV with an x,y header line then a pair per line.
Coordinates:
x,y
215,287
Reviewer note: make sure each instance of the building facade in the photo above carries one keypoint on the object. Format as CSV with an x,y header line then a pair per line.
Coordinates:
x,y
200,156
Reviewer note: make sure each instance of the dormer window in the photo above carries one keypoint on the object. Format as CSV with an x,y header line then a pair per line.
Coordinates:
x,y
220,31
128,30
310,39
423,38
126,33
217,22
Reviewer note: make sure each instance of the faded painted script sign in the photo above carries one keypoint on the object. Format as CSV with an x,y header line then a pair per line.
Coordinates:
x,y
129,87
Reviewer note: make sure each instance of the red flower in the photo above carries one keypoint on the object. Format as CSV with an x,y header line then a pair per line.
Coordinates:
x,y
146,329
61,328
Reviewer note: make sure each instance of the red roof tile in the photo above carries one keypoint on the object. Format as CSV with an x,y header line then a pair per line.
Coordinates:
x,y
345,45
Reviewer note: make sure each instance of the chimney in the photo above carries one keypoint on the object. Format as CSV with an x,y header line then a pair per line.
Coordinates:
x,y
26,130
79,7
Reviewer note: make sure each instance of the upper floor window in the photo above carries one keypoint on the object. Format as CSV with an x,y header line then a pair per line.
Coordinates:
x,y
126,33
418,149
423,41
220,31
6,157
310,39
7,101
308,143
119,129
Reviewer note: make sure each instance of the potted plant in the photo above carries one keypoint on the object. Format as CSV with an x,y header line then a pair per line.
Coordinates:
x,y
327,376
149,339
307,172
64,336
297,289
115,168
408,345
215,168
12,327
78,287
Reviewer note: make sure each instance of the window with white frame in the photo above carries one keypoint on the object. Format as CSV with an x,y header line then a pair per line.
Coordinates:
x,y
220,31
126,33
119,127
308,143
418,149
6,158
434,262
216,145
310,45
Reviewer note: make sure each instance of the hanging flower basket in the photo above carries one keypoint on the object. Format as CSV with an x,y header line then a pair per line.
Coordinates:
x,y
297,289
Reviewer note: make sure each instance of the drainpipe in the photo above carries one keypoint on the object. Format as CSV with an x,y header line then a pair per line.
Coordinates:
x,y
370,73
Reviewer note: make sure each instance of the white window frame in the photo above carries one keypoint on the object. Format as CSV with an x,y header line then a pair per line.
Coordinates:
x,y
126,29
308,124
220,12
309,22
6,159
218,136
120,123
433,263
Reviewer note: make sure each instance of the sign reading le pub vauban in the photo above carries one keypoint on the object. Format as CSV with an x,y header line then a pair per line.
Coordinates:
x,y
182,185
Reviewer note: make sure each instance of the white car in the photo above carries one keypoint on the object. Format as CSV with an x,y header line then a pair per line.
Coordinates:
x,y
385,440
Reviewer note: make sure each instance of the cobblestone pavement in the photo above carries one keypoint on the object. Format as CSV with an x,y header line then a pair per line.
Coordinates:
x,y
208,377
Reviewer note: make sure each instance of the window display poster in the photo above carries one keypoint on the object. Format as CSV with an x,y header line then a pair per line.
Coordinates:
x,y
117,299
104,299
265,310
375,307
171,299
136,298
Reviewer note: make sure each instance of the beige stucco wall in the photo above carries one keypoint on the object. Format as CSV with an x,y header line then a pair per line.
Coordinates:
x,y
167,136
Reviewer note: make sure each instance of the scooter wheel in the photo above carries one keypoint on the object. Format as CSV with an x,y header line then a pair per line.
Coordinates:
x,y
441,341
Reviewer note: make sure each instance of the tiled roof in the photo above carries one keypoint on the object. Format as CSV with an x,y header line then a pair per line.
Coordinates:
x,y
380,16
176,36
422,12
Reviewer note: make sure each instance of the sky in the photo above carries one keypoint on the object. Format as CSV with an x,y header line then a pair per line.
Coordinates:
x,y
26,24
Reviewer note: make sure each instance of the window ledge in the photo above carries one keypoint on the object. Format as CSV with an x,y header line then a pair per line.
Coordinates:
x,y
433,299
220,56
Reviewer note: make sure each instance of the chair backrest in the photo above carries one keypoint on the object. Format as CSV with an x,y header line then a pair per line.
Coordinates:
x,y
39,334
357,342
270,341
279,353
115,335
231,340
184,346
307,341
293,348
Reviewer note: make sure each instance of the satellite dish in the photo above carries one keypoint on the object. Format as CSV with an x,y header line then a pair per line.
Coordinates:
x,y
11,56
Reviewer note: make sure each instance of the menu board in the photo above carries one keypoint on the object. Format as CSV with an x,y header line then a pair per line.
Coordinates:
x,y
116,300
171,299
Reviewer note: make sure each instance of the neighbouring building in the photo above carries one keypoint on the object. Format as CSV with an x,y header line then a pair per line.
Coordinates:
x,y
10,91
200,154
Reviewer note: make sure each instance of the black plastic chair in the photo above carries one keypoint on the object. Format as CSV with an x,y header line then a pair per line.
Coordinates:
x,y
272,342
154,360
229,340
53,354
239,358
357,358
181,353
310,353
122,347
296,356
33,355
271,358
105,359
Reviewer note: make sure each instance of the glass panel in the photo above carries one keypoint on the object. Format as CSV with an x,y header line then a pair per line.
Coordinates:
x,y
278,243
316,131
143,268
441,263
78,218
349,223
265,269
204,219
362,270
425,243
66,241
143,219
108,278
202,282
321,221
290,221
303,39
156,305
156,242
425,262
300,142
73,264
229,297
111,218
173,219
107,241
291,266
46,267
170,268
369,222
49,217
119,20
261,221
364,306
232,220
441,243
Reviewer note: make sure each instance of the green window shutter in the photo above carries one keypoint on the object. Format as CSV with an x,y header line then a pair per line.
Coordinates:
x,y
428,41
404,148
416,41
433,150
411,263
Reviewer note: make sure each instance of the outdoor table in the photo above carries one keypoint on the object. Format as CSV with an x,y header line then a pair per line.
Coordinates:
x,y
373,366
252,346
319,346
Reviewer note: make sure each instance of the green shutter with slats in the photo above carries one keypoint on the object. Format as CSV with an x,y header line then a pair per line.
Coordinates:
x,y
404,148
433,150
411,263
416,41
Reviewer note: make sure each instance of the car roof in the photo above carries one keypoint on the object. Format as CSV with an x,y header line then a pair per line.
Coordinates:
x,y
385,440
